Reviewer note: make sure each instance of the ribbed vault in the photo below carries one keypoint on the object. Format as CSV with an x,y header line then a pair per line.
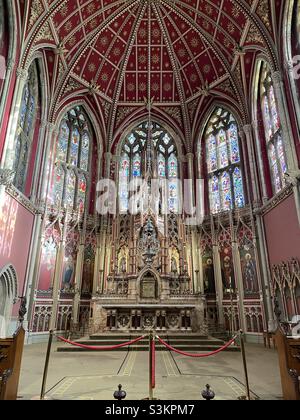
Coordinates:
x,y
181,53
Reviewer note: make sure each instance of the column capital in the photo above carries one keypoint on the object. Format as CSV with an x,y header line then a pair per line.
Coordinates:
x,y
247,129
190,156
10,64
277,78
115,158
22,74
255,124
6,177
290,65
48,125
107,155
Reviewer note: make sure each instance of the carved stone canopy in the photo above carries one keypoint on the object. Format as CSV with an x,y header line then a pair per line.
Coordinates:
x,y
148,244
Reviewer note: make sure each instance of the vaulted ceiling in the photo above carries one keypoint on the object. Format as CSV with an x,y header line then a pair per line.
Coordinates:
x,y
180,53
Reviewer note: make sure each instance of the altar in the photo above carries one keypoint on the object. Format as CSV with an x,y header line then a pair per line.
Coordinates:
x,y
151,290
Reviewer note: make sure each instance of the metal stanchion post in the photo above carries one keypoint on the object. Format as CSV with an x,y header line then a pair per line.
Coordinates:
x,y
248,394
150,365
42,397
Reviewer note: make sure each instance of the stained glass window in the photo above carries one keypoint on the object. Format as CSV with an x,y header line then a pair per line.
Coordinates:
x,y
71,174
63,142
226,189
272,125
135,161
136,170
85,148
26,126
238,188
70,189
81,195
123,182
214,194
212,153
161,166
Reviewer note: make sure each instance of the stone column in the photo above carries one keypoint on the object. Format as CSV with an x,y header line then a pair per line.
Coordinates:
x,y
57,282
296,189
240,284
287,133
246,173
291,72
260,162
266,283
32,274
8,80
78,280
198,287
96,278
251,155
102,260
219,283
47,168
259,277
107,160
191,195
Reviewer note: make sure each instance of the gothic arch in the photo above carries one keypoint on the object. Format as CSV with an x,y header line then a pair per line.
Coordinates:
x,y
93,131
199,143
35,137
8,297
175,135
92,119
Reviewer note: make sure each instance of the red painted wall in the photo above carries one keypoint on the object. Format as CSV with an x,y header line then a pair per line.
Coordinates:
x,y
16,224
283,232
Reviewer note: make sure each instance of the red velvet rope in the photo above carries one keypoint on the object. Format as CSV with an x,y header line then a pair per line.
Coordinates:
x,y
83,346
153,364
197,355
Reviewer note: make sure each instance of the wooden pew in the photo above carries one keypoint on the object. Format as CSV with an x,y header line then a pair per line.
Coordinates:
x,y
289,361
11,351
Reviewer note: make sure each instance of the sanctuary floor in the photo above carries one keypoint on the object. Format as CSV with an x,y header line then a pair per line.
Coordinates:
x,y
89,376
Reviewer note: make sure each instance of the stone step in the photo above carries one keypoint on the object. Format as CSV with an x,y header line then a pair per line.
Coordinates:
x,y
187,348
162,334
186,342
173,342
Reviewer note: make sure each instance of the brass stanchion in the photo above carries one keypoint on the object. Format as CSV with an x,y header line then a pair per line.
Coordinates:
x,y
248,392
45,375
150,365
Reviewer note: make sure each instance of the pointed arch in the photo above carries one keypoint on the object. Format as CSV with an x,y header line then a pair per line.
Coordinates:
x,y
269,137
132,150
8,296
73,166
223,162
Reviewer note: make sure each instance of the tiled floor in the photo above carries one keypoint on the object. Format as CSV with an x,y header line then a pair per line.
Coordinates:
x,y
97,375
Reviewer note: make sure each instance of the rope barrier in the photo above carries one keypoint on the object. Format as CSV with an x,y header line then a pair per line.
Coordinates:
x,y
118,346
197,355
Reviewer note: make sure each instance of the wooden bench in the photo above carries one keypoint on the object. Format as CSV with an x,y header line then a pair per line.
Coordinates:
x,y
11,351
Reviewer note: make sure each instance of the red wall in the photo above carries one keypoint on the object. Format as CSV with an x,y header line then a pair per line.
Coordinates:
x,y
283,232
16,224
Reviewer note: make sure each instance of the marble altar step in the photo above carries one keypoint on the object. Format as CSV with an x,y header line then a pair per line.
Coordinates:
x,y
190,343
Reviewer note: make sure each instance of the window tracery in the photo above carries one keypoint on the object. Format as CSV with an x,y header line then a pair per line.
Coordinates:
x,y
26,127
134,162
225,178
273,132
71,174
